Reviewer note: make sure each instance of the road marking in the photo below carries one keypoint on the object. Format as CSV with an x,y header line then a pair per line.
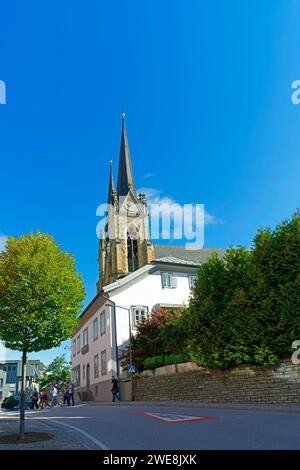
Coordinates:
x,y
74,428
174,418
31,412
61,417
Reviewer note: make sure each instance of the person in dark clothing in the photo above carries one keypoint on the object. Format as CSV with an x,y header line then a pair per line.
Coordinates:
x,y
71,394
115,389
65,391
34,400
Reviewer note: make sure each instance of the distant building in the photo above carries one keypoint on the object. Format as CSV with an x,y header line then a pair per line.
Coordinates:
x,y
11,376
134,274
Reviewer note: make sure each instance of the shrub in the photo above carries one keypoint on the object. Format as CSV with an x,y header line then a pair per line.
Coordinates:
x,y
149,341
154,362
160,361
173,333
9,403
176,359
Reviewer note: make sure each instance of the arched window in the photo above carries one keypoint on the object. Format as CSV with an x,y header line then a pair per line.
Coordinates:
x,y
132,249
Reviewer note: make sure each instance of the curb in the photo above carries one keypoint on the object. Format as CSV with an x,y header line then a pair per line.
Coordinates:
x,y
209,406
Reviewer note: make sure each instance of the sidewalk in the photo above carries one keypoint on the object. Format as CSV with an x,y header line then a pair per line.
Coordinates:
x,y
263,407
62,439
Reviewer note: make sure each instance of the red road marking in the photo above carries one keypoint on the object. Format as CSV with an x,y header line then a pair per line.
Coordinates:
x,y
163,417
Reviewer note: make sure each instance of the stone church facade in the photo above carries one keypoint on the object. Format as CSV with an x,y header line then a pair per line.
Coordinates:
x,y
125,244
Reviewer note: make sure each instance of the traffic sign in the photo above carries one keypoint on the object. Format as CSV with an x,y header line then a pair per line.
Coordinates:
x,y
131,369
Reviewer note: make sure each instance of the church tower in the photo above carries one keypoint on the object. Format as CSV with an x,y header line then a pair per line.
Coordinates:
x,y
125,244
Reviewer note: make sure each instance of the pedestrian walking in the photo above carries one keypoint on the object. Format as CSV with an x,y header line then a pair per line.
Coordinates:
x,y
44,399
34,400
54,396
65,392
71,394
115,389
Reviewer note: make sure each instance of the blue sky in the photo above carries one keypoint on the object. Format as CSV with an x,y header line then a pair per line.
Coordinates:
x,y
207,93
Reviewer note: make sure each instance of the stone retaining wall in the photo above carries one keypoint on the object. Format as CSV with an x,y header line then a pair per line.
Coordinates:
x,y
245,384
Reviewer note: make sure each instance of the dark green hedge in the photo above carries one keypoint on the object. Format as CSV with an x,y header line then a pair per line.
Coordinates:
x,y
246,308
160,361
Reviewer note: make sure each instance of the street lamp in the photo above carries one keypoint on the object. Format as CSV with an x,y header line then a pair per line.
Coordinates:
x,y
130,341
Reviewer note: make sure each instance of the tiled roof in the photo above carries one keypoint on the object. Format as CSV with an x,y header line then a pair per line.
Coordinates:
x,y
173,260
166,254
182,254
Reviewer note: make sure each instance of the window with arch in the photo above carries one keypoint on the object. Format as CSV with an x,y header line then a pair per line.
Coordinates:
x,y
132,249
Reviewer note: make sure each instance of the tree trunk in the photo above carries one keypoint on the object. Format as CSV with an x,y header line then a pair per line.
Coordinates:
x,y
23,396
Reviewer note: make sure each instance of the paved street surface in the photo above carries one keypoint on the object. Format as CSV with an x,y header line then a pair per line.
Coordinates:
x,y
167,426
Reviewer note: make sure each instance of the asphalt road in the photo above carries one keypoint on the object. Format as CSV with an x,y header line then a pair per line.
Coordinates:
x,y
122,426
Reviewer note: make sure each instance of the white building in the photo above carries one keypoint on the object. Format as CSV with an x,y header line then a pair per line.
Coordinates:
x,y
104,325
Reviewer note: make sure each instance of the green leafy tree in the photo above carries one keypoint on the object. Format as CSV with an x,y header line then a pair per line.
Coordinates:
x,y
58,370
40,296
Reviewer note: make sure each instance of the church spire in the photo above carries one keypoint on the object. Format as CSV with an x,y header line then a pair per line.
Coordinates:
x,y
111,186
125,175
119,251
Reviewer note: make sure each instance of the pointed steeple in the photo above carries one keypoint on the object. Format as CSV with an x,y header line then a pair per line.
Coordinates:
x,y
125,175
111,186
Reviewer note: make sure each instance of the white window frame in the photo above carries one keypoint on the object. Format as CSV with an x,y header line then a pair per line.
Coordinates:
x,y
76,375
103,362
133,311
87,337
192,280
95,322
168,280
96,366
102,316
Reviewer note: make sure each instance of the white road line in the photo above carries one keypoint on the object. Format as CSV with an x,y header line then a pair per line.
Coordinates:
x,y
31,412
74,428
